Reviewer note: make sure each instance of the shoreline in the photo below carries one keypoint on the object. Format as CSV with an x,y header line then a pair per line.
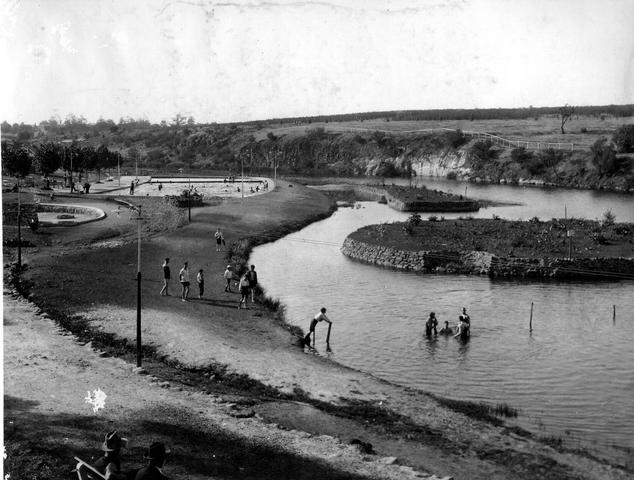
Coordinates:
x,y
324,385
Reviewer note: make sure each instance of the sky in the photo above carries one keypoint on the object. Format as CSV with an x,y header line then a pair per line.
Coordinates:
x,y
240,60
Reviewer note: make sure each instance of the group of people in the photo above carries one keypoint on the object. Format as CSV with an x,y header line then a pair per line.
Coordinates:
x,y
247,283
109,465
463,329
184,279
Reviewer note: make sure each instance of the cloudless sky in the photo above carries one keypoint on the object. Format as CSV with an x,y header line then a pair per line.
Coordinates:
x,y
244,60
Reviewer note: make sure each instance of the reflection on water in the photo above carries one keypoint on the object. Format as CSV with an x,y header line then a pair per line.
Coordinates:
x,y
573,373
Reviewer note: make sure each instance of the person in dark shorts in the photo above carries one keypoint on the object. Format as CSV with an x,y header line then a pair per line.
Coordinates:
x,y
183,277
200,279
219,239
166,277
253,282
320,317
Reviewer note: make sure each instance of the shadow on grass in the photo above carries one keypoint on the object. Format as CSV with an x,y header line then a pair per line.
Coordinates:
x,y
43,446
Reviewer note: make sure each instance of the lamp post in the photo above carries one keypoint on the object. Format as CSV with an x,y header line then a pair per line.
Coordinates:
x,y
139,356
19,229
189,202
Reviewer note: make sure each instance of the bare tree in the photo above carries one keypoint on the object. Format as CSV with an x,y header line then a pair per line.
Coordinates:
x,y
565,113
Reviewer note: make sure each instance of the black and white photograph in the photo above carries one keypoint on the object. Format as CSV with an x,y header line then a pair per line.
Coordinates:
x,y
338,239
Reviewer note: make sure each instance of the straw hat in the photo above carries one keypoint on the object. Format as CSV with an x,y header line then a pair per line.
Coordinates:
x,y
113,442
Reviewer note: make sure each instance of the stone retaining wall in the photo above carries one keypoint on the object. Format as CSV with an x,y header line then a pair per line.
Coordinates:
x,y
485,263
367,192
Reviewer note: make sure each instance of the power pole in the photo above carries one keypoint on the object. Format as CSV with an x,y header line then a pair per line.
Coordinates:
x,y
19,228
139,355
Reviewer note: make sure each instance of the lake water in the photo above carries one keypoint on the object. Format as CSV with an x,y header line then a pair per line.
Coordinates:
x,y
572,376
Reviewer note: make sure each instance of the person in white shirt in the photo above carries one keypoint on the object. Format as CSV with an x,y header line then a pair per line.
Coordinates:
x,y
183,277
320,317
228,276
219,239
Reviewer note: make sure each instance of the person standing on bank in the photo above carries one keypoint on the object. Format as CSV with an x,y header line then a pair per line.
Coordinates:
x,y
219,239
183,277
253,282
244,290
228,276
166,277
200,279
320,317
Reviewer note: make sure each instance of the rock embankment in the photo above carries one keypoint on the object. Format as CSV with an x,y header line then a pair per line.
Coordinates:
x,y
485,263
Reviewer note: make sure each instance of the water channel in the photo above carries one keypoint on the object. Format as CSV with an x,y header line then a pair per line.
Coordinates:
x,y
573,376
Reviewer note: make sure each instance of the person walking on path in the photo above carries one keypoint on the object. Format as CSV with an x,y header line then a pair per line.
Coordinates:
x,y
431,325
228,276
253,282
219,239
131,188
320,317
183,277
244,290
200,279
166,277
156,456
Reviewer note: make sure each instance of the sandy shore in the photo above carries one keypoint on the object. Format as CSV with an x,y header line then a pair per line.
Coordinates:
x,y
245,360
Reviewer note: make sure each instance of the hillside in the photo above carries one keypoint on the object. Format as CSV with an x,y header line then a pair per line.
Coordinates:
x,y
377,147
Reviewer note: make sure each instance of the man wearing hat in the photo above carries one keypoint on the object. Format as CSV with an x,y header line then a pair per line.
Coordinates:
x,y
110,464
156,458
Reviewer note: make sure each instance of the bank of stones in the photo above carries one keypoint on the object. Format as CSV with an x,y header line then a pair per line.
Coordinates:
x,y
485,263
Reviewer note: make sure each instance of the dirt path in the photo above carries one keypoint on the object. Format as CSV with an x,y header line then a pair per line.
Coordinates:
x,y
100,286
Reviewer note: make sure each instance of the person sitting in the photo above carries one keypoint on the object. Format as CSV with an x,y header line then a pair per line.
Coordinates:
x,y
109,466
446,330
156,455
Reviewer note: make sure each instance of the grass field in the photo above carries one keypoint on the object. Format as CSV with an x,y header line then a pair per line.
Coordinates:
x,y
544,129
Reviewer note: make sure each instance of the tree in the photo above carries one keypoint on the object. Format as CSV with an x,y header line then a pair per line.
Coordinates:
x,y
623,138
16,159
565,114
48,157
603,157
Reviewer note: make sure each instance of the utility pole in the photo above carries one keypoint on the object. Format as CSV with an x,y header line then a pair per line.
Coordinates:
x,y
242,168
119,167
139,356
189,201
19,228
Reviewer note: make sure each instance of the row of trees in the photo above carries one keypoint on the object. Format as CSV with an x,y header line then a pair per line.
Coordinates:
x,y
20,159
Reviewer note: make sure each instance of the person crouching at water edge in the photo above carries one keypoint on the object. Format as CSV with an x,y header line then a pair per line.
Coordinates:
x,y
320,317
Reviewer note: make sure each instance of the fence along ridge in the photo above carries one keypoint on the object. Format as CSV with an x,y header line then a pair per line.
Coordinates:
x,y
506,142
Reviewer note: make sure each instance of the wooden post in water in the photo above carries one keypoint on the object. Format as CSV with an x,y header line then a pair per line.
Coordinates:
x,y
328,334
530,322
613,314
565,212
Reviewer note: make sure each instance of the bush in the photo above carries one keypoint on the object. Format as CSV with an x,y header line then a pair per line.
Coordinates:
x,y
604,158
454,139
432,218
521,155
484,152
608,218
550,157
452,175
623,138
